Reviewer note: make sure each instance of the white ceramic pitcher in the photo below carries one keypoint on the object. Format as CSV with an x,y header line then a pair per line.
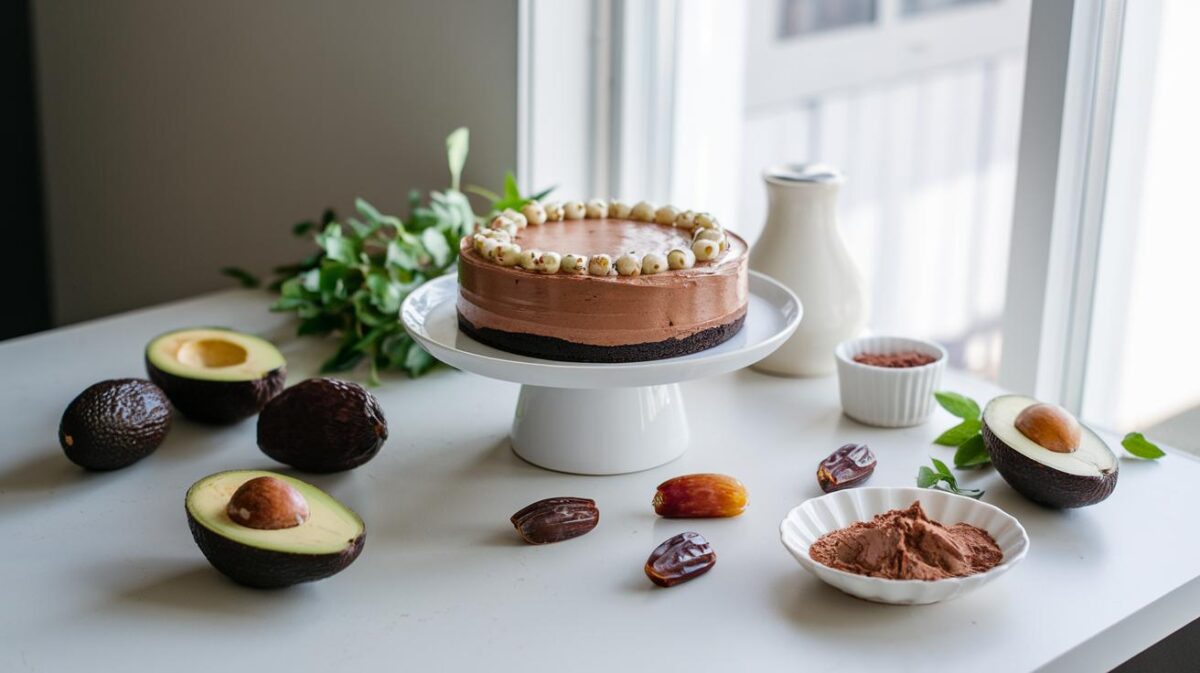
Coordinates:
x,y
800,247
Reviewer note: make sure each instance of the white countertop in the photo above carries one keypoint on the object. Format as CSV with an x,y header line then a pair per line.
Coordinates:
x,y
99,570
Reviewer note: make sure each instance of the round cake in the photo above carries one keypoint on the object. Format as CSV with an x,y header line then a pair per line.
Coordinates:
x,y
602,282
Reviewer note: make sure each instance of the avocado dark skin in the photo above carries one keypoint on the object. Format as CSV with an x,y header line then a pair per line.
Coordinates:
x,y
1042,484
218,402
266,569
115,423
322,425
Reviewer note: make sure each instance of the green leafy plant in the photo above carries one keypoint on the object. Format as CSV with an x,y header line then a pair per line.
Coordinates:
x,y
966,437
931,477
1137,444
365,266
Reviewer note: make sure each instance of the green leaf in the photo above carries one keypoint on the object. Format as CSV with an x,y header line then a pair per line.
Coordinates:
x,y
959,433
364,310
454,212
318,325
361,230
511,191
243,276
976,493
346,358
418,360
310,280
365,343
927,477
332,281
959,405
337,246
437,247
386,293
1138,445
942,469
353,284
457,145
971,453
485,193
289,304
543,194
401,256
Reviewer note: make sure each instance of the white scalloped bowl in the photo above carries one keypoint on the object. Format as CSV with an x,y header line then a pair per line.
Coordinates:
x,y
818,516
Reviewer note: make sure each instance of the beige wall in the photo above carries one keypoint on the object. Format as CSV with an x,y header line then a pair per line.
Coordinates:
x,y
182,137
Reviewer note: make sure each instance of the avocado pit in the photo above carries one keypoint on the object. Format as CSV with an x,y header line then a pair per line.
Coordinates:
x,y
267,503
1050,427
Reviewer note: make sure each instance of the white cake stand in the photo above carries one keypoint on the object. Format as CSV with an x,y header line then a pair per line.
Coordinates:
x,y
595,418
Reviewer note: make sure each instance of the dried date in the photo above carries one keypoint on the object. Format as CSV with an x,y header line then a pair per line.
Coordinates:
x,y
684,557
556,519
849,466
700,496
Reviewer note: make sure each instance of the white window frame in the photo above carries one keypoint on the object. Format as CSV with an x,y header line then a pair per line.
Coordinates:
x,y
1071,70
890,47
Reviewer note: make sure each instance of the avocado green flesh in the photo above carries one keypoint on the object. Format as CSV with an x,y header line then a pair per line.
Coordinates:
x,y
330,528
212,354
1092,459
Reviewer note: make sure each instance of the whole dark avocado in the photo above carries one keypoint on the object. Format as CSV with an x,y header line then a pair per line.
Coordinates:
x,y
323,542
214,375
114,424
322,425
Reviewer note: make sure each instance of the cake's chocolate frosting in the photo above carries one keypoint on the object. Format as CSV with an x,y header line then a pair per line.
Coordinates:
x,y
609,236
608,310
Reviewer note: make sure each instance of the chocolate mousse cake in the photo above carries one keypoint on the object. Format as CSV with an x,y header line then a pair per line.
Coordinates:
x,y
602,282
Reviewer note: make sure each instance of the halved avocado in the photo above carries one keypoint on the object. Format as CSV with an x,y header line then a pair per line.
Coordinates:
x,y
216,375
1077,478
326,543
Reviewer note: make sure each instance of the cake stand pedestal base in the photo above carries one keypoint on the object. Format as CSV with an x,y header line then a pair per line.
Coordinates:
x,y
600,431
593,418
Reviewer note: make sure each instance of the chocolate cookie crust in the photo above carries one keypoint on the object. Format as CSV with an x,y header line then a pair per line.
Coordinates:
x,y
551,348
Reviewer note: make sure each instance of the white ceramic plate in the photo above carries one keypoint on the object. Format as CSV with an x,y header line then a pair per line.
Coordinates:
x,y
818,516
429,316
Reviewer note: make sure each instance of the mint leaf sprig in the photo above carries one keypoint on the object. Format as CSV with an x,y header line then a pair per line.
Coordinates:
x,y
966,436
930,478
1137,444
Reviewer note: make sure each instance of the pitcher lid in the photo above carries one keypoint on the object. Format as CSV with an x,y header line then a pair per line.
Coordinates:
x,y
802,172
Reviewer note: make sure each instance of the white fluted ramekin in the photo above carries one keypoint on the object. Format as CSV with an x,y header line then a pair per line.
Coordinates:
x,y
889,397
805,524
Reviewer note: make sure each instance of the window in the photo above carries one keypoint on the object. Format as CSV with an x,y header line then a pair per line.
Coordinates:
x,y
921,111
1032,219
800,17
